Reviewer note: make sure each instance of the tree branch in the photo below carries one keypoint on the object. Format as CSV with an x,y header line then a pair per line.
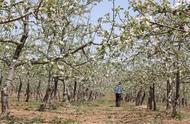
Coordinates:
x,y
8,41
16,18
36,10
5,60
37,62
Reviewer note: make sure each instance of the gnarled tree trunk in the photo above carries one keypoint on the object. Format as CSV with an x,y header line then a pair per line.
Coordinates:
x,y
10,75
5,91
46,100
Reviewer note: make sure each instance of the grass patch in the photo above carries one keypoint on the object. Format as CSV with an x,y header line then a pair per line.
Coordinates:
x,y
60,121
70,121
110,122
9,120
33,105
83,106
82,103
15,120
36,120
104,101
108,109
179,116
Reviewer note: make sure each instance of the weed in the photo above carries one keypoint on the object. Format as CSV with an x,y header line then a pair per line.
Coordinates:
x,y
59,121
70,121
179,116
36,120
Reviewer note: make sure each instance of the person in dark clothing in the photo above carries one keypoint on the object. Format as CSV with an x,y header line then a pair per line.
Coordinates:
x,y
118,92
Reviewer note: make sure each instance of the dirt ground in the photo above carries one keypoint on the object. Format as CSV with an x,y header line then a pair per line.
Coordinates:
x,y
97,112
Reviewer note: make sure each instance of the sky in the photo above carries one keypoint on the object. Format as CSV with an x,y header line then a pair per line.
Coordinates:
x,y
105,7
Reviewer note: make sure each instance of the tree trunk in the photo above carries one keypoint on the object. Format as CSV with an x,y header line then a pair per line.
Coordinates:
x,y
168,100
19,89
55,86
68,93
151,98
74,90
5,89
64,91
1,78
59,95
149,104
138,98
86,94
90,95
38,91
27,91
142,99
5,92
154,99
46,100
175,102
79,93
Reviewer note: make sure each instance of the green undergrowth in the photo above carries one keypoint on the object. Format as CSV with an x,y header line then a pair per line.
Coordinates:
x,y
31,105
60,121
36,120
15,120
180,116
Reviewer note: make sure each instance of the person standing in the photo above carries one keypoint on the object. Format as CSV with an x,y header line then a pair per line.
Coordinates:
x,y
118,92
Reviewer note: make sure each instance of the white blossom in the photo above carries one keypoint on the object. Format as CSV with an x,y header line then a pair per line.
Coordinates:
x,y
7,47
150,18
186,28
14,60
60,67
8,2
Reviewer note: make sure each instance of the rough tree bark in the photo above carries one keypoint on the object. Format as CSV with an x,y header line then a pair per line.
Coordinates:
x,y
27,91
55,79
38,91
19,89
90,95
154,98
46,100
64,91
177,94
10,75
168,90
68,93
142,99
177,86
151,98
149,104
138,97
79,93
74,90
1,77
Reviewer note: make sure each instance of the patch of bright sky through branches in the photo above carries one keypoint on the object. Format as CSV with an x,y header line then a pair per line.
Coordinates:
x,y
105,7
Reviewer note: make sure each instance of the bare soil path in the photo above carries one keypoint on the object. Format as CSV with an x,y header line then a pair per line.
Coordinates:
x,y
97,112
